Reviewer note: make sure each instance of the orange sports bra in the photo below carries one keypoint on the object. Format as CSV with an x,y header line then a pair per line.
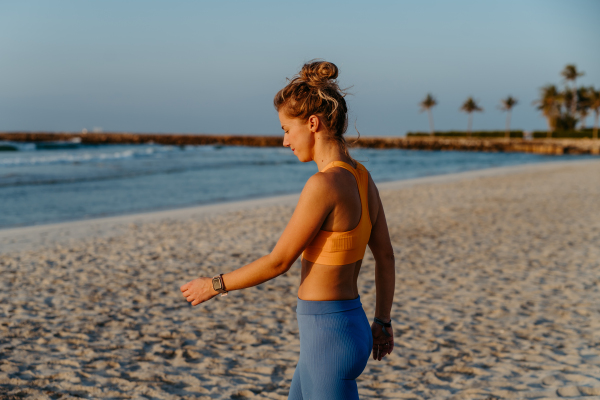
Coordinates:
x,y
339,248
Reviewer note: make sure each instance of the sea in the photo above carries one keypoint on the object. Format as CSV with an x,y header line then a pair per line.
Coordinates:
x,y
43,183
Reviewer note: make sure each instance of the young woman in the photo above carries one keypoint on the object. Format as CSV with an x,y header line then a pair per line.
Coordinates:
x,y
339,213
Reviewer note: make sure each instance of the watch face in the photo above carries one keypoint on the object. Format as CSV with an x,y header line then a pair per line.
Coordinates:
x,y
216,283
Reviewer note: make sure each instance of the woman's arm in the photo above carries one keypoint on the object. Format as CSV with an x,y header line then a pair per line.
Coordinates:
x,y
385,281
313,207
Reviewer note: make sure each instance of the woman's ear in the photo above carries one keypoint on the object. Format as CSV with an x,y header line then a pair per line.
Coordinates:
x,y
314,123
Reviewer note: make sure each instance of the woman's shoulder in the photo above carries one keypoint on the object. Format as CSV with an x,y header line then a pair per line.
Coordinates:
x,y
329,183
338,184
323,181
318,183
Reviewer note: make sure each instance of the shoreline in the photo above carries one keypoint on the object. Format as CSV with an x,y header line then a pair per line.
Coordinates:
x,y
62,233
538,146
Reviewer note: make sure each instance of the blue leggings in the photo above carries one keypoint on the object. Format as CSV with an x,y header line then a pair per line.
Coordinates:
x,y
335,345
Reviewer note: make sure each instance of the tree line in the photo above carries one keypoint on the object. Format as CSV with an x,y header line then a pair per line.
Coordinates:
x,y
563,110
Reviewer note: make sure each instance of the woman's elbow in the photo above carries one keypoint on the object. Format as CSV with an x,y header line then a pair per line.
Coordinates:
x,y
281,265
391,258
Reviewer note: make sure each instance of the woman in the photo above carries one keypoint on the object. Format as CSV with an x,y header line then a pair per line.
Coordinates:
x,y
338,214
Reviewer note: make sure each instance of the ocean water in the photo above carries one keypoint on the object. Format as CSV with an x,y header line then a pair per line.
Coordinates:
x,y
45,183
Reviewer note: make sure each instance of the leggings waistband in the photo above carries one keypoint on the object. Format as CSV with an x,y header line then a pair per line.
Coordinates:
x,y
309,307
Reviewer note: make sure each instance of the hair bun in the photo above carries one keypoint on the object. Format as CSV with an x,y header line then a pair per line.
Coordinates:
x,y
318,73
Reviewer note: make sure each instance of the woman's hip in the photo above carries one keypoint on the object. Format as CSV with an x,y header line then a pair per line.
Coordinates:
x,y
335,337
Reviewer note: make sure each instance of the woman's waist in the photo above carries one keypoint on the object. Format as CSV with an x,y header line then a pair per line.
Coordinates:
x,y
328,282
318,307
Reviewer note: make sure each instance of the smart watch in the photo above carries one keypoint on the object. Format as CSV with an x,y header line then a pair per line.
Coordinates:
x,y
218,285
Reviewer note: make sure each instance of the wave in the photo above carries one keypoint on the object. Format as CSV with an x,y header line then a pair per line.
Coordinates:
x,y
82,155
17,146
222,165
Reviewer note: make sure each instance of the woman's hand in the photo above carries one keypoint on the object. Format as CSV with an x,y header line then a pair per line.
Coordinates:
x,y
198,291
382,344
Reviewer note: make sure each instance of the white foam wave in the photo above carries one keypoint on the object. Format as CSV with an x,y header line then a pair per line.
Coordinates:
x,y
28,155
71,157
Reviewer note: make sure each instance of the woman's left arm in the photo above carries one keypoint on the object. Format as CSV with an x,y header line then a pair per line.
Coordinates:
x,y
313,207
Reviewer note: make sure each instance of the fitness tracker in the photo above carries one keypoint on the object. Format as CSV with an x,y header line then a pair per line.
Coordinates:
x,y
218,284
383,325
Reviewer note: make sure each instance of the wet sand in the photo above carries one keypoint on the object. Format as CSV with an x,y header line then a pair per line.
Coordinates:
x,y
497,296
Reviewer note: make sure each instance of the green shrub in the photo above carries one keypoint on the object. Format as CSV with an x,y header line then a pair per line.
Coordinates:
x,y
490,134
584,133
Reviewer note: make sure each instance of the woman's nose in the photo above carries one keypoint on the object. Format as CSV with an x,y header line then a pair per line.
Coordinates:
x,y
286,142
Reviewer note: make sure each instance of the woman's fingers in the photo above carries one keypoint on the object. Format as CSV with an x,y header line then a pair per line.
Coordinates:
x,y
187,290
378,351
197,291
381,349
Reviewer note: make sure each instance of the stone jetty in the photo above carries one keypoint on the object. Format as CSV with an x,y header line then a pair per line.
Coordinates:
x,y
540,146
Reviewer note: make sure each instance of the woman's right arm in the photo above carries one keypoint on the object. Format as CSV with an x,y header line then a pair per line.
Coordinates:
x,y
313,207
385,281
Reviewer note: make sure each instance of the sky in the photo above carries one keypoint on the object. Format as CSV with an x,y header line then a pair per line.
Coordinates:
x,y
214,66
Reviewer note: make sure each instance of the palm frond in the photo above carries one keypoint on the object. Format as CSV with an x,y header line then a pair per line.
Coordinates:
x,y
470,105
428,102
570,72
508,103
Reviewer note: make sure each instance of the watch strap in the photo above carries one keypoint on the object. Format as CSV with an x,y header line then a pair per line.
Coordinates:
x,y
383,326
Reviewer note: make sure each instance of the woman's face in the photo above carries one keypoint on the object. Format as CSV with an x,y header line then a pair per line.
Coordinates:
x,y
298,136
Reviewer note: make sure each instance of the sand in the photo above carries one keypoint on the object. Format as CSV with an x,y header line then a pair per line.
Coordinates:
x,y
497,296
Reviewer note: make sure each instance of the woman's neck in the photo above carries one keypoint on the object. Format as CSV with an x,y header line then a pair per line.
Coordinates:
x,y
328,151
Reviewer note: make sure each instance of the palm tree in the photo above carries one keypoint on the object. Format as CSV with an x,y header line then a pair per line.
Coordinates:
x,y
469,106
549,104
427,104
506,105
593,97
583,107
570,73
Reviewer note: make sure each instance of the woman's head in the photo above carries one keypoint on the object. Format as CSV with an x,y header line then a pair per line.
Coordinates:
x,y
315,92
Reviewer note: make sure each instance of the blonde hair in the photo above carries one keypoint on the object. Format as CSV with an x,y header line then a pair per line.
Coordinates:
x,y
315,91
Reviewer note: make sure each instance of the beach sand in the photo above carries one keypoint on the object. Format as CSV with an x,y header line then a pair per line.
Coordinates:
x,y
497,296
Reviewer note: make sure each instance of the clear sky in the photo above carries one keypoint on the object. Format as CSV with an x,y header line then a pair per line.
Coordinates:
x,y
214,66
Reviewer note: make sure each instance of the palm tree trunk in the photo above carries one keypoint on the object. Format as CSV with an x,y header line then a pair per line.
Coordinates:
x,y
470,124
507,135
431,122
596,126
574,101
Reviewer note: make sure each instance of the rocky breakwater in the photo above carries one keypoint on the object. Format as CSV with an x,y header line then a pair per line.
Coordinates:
x,y
141,138
540,146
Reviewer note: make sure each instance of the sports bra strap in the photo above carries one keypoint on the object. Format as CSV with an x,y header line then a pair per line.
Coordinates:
x,y
362,184
344,165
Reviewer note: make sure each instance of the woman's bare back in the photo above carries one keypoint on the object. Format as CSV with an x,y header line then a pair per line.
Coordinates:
x,y
338,282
